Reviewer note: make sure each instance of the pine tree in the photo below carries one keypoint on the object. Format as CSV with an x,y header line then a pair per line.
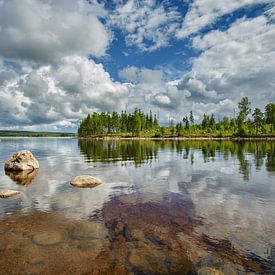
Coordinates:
x,y
191,118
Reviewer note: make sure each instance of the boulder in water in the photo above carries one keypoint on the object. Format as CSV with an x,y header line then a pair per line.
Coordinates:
x,y
20,161
25,177
8,193
85,181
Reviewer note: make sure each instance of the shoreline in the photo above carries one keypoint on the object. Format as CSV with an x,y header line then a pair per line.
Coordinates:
x,y
267,138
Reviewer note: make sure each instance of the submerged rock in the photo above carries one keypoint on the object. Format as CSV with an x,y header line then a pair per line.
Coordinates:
x,y
209,271
91,245
155,261
47,238
20,161
88,230
85,181
9,193
22,177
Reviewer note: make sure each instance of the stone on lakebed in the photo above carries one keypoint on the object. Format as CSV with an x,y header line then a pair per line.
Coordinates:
x,y
209,271
20,161
88,230
85,181
47,238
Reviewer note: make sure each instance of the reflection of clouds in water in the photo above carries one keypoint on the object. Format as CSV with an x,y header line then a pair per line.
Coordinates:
x,y
234,208
231,207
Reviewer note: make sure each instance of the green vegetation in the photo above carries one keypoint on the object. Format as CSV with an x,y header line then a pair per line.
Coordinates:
x,y
123,124
34,134
140,124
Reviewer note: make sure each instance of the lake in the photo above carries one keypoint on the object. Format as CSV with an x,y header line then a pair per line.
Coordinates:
x,y
165,207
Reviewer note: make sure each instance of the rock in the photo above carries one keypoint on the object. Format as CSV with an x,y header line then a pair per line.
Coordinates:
x,y
137,234
88,230
209,271
47,238
22,177
91,245
153,261
8,193
85,181
20,161
155,239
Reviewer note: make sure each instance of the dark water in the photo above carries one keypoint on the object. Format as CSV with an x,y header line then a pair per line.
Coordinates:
x,y
164,208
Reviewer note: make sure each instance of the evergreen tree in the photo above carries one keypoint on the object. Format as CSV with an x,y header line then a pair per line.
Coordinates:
x,y
105,123
258,117
205,121
185,122
191,118
156,124
270,115
212,121
244,109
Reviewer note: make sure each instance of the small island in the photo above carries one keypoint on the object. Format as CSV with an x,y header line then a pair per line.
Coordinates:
x,y
247,124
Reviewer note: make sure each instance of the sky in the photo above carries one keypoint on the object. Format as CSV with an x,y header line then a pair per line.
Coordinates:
x,y
63,59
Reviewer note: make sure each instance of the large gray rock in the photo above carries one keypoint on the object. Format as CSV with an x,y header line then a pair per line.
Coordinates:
x,y
20,161
85,181
8,193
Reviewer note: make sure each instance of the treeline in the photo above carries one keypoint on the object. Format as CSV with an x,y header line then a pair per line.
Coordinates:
x,y
115,123
245,123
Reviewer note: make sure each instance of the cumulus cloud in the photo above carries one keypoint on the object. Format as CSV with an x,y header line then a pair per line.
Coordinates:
x,y
204,13
48,77
151,91
44,31
234,63
146,24
60,94
129,74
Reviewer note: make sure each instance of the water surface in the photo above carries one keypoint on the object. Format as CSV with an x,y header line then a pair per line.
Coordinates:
x,y
165,207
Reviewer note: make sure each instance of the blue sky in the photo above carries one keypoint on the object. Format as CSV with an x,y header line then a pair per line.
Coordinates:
x,y
60,60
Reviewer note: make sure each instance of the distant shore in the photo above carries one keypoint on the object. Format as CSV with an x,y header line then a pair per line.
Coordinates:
x,y
5,133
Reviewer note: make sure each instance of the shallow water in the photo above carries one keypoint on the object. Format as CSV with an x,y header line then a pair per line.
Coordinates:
x,y
168,207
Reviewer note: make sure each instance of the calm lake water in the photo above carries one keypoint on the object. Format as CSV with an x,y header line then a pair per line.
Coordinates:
x,y
165,207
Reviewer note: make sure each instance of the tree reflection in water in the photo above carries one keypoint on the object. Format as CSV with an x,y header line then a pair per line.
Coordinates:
x,y
146,151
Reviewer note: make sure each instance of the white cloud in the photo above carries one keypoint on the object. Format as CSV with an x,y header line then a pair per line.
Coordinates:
x,y
203,13
234,63
163,99
146,24
60,95
44,31
152,92
129,73
271,13
46,78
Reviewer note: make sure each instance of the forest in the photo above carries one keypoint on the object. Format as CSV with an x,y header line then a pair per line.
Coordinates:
x,y
247,122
